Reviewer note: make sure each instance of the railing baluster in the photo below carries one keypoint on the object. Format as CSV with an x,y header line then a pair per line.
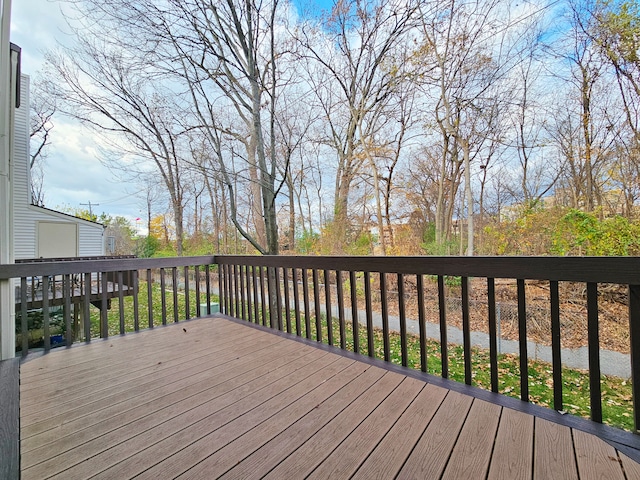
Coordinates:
x,y
256,307
121,302
555,345
442,307
87,307
243,299
385,316
176,286
196,273
466,330
316,304
287,311
24,315
207,273
340,294
369,312
263,302
423,324
224,295
163,296
250,286
634,350
403,321
594,352
187,306
522,339
104,305
327,300
66,292
229,272
296,300
222,285
355,324
136,306
493,335
278,299
307,310
45,313
236,294
150,297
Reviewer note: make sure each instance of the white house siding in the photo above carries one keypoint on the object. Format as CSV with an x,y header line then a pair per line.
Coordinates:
x,y
91,240
27,216
21,192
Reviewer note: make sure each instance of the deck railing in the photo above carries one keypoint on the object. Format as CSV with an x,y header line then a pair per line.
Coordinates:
x,y
335,299
83,283
253,288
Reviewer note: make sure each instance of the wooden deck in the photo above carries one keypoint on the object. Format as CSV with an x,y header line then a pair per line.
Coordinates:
x,y
212,398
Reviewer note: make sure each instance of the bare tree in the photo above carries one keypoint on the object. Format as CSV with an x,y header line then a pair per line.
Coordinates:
x,y
355,76
42,109
466,49
140,122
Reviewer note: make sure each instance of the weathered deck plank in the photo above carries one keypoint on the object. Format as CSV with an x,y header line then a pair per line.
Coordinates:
x,y
472,452
309,455
199,414
595,458
513,452
429,457
390,454
254,427
347,457
554,456
222,399
187,390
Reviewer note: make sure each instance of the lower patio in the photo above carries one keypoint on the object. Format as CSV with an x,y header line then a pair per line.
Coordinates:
x,y
217,397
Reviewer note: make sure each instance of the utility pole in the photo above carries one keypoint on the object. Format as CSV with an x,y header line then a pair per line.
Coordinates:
x,y
91,205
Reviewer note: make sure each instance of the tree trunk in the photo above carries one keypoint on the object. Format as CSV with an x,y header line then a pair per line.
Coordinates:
x,y
469,195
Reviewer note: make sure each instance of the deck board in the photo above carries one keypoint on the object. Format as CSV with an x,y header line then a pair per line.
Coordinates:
x,y
595,458
431,453
513,450
347,457
391,453
304,459
472,452
212,398
554,454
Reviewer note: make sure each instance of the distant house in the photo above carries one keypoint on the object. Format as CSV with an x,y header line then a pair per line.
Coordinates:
x,y
40,232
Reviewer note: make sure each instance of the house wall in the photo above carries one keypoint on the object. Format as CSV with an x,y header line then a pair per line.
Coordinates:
x,y
27,217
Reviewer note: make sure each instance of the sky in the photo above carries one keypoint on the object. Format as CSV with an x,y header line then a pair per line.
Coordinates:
x,y
73,174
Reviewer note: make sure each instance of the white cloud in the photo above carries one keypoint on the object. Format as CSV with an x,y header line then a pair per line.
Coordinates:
x,y
73,172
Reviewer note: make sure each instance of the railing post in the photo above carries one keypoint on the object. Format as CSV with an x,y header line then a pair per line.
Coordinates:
x,y
493,347
556,350
87,307
594,352
466,330
634,340
522,339
442,307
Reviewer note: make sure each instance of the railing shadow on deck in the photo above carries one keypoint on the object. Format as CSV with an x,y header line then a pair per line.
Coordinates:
x,y
289,293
